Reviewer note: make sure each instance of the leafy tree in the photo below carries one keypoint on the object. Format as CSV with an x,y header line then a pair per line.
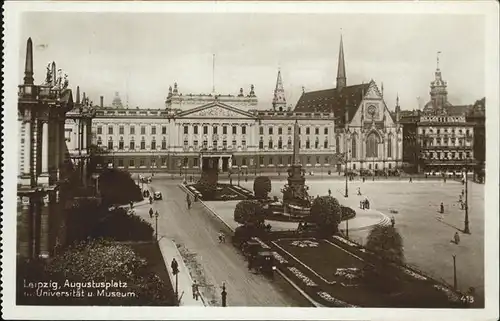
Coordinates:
x,y
117,187
88,219
97,160
387,243
261,186
100,261
326,213
249,213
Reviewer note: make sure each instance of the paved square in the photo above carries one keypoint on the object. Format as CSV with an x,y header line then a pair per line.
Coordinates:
x,y
426,233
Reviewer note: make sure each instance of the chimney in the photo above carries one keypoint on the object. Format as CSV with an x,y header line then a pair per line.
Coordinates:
x,y
78,95
102,102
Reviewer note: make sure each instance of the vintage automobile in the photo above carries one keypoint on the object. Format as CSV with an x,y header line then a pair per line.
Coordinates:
x,y
157,196
264,262
250,248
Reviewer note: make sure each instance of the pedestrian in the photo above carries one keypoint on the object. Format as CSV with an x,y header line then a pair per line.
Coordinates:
x,y
151,212
393,221
456,238
359,190
195,290
189,203
150,199
363,179
441,208
329,192
411,180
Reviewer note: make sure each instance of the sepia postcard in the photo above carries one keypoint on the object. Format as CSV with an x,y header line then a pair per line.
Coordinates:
x,y
250,160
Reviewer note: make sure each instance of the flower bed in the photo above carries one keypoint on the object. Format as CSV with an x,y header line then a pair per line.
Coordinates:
x,y
223,192
334,277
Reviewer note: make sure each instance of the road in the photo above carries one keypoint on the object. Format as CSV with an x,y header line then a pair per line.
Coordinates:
x,y
212,263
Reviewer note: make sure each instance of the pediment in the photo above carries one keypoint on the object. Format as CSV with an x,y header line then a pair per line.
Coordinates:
x,y
215,110
373,92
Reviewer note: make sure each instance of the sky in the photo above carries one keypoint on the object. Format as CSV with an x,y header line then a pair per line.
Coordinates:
x,y
140,55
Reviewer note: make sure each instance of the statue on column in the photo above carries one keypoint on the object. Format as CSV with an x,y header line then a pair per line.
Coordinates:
x,y
49,75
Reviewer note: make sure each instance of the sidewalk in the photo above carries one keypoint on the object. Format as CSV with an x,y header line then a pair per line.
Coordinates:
x,y
169,251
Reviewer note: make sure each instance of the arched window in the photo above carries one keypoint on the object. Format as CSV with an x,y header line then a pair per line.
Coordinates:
x,y
372,145
354,146
389,146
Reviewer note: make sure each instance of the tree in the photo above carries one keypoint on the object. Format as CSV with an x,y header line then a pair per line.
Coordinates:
x,y
117,187
326,213
99,261
387,243
249,213
89,219
96,161
261,186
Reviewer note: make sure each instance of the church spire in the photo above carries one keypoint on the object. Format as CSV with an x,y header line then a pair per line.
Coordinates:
x,y
341,77
28,67
279,100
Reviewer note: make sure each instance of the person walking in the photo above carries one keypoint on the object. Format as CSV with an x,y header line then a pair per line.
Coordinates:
x,y
456,238
188,201
393,221
329,192
195,290
150,199
411,179
359,190
441,208
151,212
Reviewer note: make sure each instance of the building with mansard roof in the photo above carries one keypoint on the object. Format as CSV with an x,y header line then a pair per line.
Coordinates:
x,y
440,138
366,132
227,131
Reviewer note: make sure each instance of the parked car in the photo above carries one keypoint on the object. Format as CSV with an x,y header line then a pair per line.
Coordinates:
x,y
157,196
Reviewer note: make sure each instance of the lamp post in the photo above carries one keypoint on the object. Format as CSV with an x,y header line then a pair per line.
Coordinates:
x,y
454,272
156,224
466,221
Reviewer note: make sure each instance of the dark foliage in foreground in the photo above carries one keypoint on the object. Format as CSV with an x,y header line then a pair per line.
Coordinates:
x,y
81,271
118,188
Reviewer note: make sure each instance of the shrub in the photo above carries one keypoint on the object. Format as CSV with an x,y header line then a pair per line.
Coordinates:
x,y
261,186
117,187
249,213
347,213
387,243
326,213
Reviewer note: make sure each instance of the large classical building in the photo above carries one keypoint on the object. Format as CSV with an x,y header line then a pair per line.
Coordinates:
x,y
365,129
442,135
227,131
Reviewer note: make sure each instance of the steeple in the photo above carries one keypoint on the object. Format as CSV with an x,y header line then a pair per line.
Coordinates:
x,y
398,108
341,77
438,93
279,100
28,68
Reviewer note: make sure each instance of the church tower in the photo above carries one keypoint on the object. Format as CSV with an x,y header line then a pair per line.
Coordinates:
x,y
341,77
439,94
279,100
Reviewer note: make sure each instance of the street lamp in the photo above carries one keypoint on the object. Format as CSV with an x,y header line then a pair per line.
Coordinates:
x,y
454,272
224,295
466,221
156,224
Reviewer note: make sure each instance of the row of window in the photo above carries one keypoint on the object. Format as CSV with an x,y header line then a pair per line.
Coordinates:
x,y
121,130
444,142
448,155
215,129
215,143
452,131
289,130
271,144
132,146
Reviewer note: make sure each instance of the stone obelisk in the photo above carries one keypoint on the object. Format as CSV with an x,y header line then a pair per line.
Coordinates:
x,y
296,179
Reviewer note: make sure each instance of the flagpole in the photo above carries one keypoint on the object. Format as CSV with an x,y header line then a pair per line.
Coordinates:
x,y
213,73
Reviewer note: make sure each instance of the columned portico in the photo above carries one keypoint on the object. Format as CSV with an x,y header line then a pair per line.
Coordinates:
x,y
221,161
